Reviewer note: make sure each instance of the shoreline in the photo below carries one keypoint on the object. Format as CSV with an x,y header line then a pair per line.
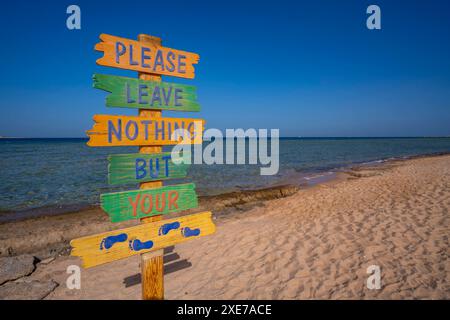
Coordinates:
x,y
307,243
84,222
301,180
49,235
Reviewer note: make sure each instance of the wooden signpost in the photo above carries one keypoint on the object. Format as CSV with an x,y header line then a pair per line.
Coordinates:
x,y
152,264
150,131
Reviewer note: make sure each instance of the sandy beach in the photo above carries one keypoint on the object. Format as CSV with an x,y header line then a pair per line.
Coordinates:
x,y
312,243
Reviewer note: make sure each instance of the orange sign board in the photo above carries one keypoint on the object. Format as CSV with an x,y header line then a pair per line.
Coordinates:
x,y
111,131
134,55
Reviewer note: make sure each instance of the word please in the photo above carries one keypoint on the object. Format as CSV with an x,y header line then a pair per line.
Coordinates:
x,y
164,61
154,203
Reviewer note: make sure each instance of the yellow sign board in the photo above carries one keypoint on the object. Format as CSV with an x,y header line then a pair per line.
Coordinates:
x,y
118,244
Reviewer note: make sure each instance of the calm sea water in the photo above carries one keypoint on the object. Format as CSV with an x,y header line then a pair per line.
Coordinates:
x,y
63,174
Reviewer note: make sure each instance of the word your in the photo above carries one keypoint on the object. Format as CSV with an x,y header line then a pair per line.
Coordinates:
x,y
374,280
73,21
213,153
134,204
149,203
374,20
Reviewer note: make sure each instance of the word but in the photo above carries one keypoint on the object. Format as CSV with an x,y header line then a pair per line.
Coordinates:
x,y
144,169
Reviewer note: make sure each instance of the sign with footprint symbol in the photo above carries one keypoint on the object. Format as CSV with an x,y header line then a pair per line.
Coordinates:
x,y
110,246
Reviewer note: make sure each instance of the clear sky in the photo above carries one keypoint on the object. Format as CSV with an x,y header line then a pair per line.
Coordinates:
x,y
309,68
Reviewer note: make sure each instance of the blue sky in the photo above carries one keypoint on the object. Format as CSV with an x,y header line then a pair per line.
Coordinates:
x,y
309,68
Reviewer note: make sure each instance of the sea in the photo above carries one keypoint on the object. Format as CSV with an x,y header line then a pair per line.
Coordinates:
x,y
50,176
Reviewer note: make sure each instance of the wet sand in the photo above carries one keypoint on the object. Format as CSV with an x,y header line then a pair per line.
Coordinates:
x,y
313,244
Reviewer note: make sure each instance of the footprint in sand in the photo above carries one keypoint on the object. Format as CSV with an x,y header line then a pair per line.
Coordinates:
x,y
165,228
188,232
108,242
137,245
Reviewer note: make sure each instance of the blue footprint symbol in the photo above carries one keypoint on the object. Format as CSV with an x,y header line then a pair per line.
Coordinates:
x,y
137,245
108,242
188,232
165,228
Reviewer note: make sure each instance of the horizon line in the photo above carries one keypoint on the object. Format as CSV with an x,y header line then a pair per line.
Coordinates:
x,y
284,137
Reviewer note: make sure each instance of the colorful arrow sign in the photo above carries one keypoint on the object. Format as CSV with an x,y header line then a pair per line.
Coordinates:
x,y
143,94
111,130
142,203
134,55
139,167
118,244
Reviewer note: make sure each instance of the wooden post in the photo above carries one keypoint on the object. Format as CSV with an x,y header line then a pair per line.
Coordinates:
x,y
152,271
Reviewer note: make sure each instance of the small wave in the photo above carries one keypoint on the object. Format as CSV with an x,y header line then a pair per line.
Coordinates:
x,y
318,176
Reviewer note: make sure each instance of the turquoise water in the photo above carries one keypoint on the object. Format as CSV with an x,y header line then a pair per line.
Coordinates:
x,y
63,174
